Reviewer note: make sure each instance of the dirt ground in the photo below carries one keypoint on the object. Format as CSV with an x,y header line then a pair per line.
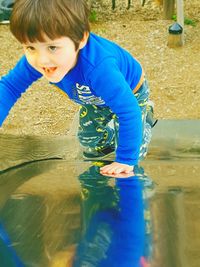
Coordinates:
x,y
173,74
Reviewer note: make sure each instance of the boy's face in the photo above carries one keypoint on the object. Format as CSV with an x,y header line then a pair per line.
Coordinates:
x,y
53,58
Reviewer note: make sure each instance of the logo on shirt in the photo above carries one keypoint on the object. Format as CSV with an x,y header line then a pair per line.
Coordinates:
x,y
85,96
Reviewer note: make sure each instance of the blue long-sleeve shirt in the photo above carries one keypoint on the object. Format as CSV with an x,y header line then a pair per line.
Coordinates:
x,y
105,75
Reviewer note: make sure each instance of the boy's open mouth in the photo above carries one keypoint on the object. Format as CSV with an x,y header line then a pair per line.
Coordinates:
x,y
49,70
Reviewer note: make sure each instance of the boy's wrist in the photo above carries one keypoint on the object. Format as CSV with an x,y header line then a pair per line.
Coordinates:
x,y
126,161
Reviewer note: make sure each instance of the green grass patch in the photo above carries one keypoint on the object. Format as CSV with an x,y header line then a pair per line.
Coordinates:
x,y
93,16
187,21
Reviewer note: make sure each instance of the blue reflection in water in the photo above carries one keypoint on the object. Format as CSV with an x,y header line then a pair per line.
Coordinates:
x,y
114,226
8,256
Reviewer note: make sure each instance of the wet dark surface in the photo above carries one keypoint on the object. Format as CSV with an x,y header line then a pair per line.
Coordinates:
x,y
56,213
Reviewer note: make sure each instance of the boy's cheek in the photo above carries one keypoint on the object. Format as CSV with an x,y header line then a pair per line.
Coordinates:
x,y
32,62
29,59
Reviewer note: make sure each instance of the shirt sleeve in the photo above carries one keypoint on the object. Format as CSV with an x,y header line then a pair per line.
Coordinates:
x,y
14,84
109,83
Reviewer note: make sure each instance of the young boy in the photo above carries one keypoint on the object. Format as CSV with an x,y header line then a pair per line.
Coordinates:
x,y
103,78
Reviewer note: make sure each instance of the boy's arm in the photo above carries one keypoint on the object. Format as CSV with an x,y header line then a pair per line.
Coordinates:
x,y
14,84
110,84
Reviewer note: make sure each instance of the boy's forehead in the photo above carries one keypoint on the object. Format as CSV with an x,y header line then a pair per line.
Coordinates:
x,y
46,40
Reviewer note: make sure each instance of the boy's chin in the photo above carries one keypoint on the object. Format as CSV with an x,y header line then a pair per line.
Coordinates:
x,y
54,79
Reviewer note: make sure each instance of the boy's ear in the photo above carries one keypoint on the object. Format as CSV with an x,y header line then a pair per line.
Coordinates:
x,y
83,42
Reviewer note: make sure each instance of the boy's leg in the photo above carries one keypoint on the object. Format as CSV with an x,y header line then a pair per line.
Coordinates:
x,y
97,138
148,121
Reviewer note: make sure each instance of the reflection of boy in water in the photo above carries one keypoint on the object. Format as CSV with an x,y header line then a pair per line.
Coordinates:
x,y
113,224
114,231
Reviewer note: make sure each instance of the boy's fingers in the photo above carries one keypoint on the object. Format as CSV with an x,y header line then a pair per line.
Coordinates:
x,y
109,170
116,168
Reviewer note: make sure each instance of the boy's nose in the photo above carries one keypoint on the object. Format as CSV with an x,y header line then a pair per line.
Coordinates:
x,y
42,59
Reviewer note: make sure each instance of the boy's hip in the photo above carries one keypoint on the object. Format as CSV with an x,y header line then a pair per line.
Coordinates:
x,y
140,82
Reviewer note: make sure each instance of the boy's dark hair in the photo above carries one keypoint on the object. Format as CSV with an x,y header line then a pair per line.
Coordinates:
x,y
31,19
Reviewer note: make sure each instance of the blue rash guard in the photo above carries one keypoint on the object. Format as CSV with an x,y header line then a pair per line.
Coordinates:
x,y
105,75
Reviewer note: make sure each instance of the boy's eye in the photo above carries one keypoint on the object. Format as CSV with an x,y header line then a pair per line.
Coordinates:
x,y
30,48
52,48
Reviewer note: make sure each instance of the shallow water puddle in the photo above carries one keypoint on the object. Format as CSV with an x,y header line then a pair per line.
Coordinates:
x,y
56,212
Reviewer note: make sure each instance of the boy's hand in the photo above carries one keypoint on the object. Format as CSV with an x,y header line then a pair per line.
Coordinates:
x,y
116,168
